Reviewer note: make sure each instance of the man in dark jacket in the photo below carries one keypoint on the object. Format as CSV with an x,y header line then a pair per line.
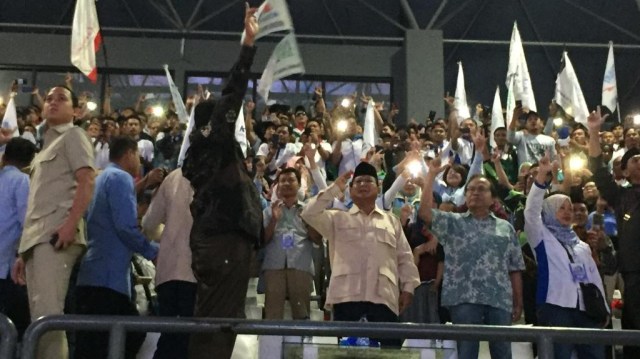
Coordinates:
x,y
227,216
626,201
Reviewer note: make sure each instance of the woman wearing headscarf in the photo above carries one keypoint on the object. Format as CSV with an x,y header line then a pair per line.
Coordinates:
x,y
564,262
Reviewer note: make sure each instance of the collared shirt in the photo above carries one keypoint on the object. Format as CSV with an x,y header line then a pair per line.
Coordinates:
x,y
480,255
555,281
351,154
170,206
14,192
370,257
53,183
113,234
279,252
283,154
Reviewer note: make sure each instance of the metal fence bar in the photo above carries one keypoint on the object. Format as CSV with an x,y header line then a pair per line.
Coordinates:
x,y
8,337
545,337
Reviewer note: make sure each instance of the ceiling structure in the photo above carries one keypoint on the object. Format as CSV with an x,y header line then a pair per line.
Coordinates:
x,y
476,32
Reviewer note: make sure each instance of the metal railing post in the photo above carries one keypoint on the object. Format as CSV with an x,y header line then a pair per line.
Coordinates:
x,y
8,337
117,341
545,347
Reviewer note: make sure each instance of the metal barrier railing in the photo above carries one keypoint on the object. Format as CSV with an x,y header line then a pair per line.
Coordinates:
x,y
8,337
117,326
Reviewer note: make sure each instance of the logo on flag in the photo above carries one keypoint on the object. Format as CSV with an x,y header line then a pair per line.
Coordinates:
x,y
569,93
609,85
519,71
85,38
273,16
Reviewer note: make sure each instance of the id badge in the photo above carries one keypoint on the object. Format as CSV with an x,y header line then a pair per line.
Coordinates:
x,y
287,240
578,272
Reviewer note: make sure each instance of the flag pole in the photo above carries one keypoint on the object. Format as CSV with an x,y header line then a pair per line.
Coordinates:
x,y
104,48
618,107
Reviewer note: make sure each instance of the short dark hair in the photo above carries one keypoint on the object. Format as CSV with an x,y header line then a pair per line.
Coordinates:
x,y
135,117
391,126
462,170
120,145
492,188
291,170
19,152
314,120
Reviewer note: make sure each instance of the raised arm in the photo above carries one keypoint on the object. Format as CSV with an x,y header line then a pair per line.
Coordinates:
x,y
533,209
315,213
426,200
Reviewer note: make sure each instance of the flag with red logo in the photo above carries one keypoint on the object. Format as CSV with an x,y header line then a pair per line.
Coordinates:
x,y
85,38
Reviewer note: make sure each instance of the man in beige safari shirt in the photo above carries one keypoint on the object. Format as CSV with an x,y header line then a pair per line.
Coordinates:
x,y
53,239
373,275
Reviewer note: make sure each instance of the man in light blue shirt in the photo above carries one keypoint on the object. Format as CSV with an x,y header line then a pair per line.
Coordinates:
x,y
288,264
104,278
14,194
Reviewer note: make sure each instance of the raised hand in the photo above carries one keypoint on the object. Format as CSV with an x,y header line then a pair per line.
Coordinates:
x,y
496,156
276,210
251,27
595,120
479,140
341,181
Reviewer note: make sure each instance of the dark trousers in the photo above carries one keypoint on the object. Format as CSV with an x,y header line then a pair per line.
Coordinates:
x,y
221,264
14,303
175,299
631,309
104,301
550,315
354,311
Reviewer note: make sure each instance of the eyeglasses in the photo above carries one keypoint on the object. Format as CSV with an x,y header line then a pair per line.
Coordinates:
x,y
364,180
478,189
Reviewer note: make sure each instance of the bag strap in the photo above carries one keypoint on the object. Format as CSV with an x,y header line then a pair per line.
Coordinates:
x,y
568,254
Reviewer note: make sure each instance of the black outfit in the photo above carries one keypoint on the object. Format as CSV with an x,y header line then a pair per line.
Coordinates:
x,y
176,298
104,301
626,202
373,312
14,303
227,215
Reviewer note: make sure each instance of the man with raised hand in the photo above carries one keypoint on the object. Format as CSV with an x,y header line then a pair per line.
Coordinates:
x,y
226,210
626,202
373,274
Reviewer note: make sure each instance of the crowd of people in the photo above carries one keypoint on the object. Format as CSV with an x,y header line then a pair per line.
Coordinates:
x,y
433,223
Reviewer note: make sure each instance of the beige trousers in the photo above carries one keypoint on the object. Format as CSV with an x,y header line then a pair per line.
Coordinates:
x,y
48,272
283,283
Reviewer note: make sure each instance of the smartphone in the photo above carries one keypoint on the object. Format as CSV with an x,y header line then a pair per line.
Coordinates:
x,y
275,139
21,81
432,115
518,103
54,239
598,221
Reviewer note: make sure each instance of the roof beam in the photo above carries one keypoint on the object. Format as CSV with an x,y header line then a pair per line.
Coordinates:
x,y
604,20
333,20
466,31
194,13
164,14
408,12
452,14
437,14
214,14
175,13
131,14
383,15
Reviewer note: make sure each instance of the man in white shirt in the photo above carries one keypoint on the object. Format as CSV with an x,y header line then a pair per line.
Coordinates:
x,y
531,145
347,150
145,147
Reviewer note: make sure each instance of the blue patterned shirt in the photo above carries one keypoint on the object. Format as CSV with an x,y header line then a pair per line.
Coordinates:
x,y
14,192
480,255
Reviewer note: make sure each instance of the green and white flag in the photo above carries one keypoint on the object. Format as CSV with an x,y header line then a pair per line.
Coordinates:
x,y
497,118
273,16
284,61
569,93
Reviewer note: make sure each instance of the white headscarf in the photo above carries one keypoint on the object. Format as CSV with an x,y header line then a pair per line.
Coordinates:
x,y
550,207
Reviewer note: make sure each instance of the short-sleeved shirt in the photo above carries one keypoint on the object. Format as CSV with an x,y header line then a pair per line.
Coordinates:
x,y
280,254
53,184
531,148
480,255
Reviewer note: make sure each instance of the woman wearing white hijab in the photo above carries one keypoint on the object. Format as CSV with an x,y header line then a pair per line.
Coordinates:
x,y
559,297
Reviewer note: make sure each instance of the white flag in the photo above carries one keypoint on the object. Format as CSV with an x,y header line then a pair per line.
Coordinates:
x,y
273,16
518,70
85,38
568,92
609,85
181,110
511,101
185,140
497,119
369,133
241,131
10,119
284,61
460,101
